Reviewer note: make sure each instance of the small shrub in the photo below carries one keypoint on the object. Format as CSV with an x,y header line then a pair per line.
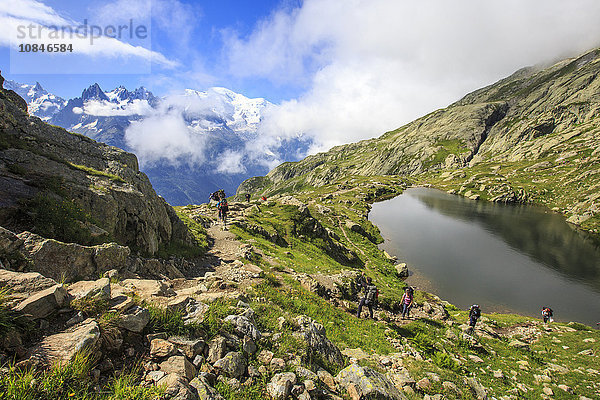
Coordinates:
x,y
163,320
90,306
443,360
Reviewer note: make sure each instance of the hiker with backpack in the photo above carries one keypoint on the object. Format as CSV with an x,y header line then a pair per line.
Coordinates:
x,y
223,208
407,302
547,314
361,282
370,298
474,314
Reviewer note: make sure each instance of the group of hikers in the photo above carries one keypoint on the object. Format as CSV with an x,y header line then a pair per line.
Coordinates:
x,y
222,205
371,294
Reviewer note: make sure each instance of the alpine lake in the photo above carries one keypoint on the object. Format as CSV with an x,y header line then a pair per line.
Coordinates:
x,y
506,258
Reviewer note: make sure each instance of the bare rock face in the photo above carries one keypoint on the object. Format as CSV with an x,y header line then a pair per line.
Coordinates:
x,y
62,347
47,173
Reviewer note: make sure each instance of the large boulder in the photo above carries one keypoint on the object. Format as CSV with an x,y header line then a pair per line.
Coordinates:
x,y
402,270
233,365
44,303
62,347
318,346
69,262
363,383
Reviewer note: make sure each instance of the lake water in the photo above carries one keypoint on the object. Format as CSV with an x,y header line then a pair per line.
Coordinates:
x,y
505,258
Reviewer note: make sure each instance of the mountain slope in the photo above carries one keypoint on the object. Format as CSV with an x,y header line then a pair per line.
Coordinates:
x,y
538,119
68,187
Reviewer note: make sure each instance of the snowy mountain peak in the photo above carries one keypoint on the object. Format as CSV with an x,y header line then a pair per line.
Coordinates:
x,y
40,103
94,92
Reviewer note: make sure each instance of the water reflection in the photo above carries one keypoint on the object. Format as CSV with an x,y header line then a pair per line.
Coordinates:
x,y
506,257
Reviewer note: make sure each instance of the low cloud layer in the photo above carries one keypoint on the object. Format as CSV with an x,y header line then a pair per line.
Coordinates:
x,y
372,65
103,108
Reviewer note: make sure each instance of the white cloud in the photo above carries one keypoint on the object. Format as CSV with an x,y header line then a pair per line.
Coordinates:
x,y
231,162
77,110
373,65
103,108
165,136
16,17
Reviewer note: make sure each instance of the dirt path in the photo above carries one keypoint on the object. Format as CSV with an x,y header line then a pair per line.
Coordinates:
x,y
224,244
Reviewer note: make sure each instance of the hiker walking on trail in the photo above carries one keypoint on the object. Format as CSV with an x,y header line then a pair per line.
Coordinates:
x,y
547,314
407,302
361,282
474,314
248,197
223,208
370,298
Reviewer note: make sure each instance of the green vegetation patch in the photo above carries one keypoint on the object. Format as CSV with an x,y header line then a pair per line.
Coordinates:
x,y
95,172
72,381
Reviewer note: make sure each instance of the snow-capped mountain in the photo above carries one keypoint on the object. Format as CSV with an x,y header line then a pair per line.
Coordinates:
x,y
40,103
211,152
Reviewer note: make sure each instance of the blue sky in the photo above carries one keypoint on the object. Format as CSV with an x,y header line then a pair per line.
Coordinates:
x,y
201,33
336,71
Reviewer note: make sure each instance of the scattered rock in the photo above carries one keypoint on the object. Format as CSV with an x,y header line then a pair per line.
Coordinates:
x,y
317,343
566,388
217,349
365,383
477,387
189,347
134,319
243,326
204,390
178,365
160,348
548,391
424,384
280,385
